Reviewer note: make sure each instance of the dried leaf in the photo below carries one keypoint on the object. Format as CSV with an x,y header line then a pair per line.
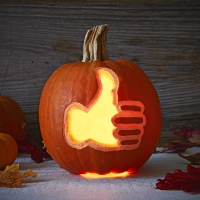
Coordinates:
x,y
177,146
182,132
38,154
11,177
189,137
189,134
187,181
195,138
194,159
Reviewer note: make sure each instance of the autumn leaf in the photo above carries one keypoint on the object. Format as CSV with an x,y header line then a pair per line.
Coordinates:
x,y
11,177
176,146
187,181
189,134
187,138
195,138
194,159
181,132
37,153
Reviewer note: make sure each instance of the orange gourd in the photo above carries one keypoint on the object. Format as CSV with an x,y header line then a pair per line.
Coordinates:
x,y
8,150
12,119
129,120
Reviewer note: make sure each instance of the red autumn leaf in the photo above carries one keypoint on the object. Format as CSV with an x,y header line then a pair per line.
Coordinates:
x,y
182,132
189,134
187,181
194,171
37,155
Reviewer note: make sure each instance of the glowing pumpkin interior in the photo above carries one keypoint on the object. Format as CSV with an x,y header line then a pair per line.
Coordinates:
x,y
94,122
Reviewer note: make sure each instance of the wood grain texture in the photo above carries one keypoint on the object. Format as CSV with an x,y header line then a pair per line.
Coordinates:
x,y
162,38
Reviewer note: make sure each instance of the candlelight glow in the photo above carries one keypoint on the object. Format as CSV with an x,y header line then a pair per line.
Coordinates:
x,y
109,175
94,123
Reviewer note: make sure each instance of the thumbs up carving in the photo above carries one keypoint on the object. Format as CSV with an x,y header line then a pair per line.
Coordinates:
x,y
98,124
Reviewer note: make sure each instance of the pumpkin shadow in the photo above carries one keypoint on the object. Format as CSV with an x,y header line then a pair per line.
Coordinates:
x,y
158,165
146,173
27,181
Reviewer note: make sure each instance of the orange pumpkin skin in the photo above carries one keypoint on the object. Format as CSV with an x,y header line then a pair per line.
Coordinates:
x,y
12,119
8,150
77,83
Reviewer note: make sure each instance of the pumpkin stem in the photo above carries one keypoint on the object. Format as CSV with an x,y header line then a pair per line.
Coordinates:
x,y
94,47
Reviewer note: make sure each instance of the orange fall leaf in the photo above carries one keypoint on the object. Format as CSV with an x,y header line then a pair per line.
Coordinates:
x,y
11,177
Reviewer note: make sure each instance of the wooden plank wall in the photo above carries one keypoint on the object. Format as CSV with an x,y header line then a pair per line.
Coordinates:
x,y
162,37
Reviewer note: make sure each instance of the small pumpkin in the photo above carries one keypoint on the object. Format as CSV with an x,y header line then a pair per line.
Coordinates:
x,y
12,118
114,99
8,150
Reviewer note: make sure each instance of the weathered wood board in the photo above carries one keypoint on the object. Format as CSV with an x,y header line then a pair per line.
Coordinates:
x,y
163,38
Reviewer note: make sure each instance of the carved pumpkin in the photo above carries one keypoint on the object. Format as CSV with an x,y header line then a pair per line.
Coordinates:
x,y
8,150
98,115
12,118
